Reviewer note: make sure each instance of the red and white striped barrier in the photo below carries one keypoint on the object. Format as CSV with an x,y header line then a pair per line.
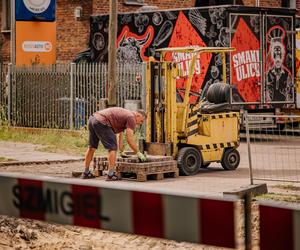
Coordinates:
x,y
279,227
100,205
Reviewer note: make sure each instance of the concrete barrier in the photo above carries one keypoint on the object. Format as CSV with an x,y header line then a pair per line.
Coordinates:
x,y
279,226
181,217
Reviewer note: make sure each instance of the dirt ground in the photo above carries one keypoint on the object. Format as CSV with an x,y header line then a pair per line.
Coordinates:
x,y
27,234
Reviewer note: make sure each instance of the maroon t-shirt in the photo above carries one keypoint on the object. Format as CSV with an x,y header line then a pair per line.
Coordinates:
x,y
117,118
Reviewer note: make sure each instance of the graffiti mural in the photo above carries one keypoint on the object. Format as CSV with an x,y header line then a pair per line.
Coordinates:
x,y
131,47
140,34
279,82
245,60
184,33
253,69
298,67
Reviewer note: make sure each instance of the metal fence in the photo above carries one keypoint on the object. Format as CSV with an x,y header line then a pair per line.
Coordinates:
x,y
3,93
62,96
274,153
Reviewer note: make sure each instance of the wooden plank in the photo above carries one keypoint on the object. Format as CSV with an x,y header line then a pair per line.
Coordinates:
x,y
144,171
142,177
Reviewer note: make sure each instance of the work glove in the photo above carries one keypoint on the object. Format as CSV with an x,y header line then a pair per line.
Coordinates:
x,y
141,156
124,155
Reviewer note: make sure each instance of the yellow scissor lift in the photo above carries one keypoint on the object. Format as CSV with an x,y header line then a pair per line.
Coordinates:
x,y
180,129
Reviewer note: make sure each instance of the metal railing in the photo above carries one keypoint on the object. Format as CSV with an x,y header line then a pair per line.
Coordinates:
x,y
274,153
3,93
62,95
38,95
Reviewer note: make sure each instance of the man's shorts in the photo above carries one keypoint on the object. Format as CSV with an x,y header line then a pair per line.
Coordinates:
x,y
99,132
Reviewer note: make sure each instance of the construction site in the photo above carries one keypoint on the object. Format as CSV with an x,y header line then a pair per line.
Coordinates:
x,y
208,101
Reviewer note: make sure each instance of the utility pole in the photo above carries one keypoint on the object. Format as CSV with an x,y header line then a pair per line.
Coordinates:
x,y
13,32
112,56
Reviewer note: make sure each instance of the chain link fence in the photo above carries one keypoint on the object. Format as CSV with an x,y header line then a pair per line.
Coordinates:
x,y
62,95
274,153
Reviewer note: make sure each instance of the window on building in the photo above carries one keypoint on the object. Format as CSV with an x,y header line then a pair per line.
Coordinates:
x,y
6,15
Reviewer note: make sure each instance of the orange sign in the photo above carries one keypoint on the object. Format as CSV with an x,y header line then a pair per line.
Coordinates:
x,y
35,43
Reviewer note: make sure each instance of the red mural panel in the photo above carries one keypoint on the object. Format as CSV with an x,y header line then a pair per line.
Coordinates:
x,y
185,35
245,63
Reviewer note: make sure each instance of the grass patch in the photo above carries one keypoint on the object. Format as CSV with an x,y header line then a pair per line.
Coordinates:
x,y
55,140
279,197
58,141
288,187
3,159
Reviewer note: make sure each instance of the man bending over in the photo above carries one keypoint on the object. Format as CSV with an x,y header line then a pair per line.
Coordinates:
x,y
103,126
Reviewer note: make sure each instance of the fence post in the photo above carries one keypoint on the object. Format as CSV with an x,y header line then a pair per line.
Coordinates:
x,y
72,71
248,196
248,146
143,93
143,87
9,97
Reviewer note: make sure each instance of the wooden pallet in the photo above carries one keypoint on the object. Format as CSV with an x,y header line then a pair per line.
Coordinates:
x,y
148,171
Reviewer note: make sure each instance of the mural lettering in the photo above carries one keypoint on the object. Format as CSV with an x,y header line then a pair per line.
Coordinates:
x,y
184,61
246,64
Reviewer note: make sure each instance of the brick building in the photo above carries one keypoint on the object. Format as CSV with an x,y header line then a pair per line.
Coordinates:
x,y
73,33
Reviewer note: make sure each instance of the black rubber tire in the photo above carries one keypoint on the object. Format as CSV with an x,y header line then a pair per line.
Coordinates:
x,y
218,93
205,165
230,159
189,161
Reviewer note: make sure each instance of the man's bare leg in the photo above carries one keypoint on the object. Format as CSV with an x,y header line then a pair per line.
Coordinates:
x,y
88,158
112,155
111,176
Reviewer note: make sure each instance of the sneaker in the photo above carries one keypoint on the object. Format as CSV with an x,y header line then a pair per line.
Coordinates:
x,y
88,175
113,177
